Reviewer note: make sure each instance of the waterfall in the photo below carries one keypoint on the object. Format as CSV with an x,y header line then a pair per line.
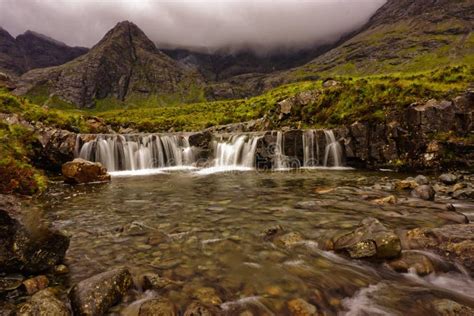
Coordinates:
x,y
137,152
280,161
310,147
333,150
238,151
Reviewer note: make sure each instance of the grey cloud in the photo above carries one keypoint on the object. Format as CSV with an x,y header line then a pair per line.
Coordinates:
x,y
262,25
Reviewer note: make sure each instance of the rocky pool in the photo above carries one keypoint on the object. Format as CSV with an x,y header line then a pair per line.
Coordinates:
x,y
209,236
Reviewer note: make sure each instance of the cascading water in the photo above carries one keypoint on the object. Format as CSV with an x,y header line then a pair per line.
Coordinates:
x,y
137,152
311,149
280,161
238,151
333,150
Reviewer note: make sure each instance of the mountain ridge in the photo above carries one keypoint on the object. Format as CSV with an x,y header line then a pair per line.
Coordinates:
x,y
123,64
32,50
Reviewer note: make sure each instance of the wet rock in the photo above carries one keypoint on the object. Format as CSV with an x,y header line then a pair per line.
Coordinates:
x,y
299,307
407,184
61,269
446,307
391,199
207,295
44,303
448,178
199,309
288,239
23,251
82,171
153,281
10,282
371,239
464,194
94,296
272,232
454,242
36,284
154,307
420,263
424,192
422,180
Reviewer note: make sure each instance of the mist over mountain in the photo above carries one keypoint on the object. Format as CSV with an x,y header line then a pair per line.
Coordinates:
x,y
261,26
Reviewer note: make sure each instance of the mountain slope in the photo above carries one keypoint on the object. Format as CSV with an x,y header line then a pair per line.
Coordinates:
x,y
124,64
403,36
32,50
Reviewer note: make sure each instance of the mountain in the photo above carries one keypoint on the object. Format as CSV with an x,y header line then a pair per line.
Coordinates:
x,y
402,36
32,50
226,63
125,64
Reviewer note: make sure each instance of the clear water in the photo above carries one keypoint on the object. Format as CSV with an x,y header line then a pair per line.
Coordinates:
x,y
205,230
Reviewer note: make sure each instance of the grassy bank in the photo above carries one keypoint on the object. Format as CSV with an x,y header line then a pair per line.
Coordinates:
x,y
354,98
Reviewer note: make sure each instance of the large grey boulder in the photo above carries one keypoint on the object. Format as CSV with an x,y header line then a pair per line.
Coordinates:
x,y
81,171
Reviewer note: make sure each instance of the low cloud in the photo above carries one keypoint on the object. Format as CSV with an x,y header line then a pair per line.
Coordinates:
x,y
260,25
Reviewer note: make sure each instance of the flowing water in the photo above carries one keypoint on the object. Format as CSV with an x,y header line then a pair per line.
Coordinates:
x,y
205,230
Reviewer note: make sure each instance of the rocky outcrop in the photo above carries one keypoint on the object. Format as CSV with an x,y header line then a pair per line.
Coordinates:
x,y
26,251
32,50
124,63
81,171
370,240
94,296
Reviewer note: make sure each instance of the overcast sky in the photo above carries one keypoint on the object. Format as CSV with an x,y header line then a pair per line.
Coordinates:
x,y
260,23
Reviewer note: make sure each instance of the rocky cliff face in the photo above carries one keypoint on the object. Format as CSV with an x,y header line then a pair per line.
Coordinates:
x,y
123,64
32,50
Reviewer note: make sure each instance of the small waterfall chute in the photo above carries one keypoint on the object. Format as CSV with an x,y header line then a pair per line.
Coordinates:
x,y
333,150
310,149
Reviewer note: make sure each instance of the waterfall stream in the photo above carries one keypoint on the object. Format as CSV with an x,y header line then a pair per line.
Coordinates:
x,y
333,151
136,152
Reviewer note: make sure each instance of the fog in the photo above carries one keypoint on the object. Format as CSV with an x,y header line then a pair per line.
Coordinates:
x,y
260,25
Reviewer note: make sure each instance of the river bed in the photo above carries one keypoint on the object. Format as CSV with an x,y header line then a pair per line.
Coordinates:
x,y
205,230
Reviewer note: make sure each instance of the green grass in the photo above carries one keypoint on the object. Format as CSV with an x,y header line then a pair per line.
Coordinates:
x,y
355,98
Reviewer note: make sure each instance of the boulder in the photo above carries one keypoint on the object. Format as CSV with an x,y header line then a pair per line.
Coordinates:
x,y
36,284
446,307
454,242
43,303
407,184
424,192
82,171
10,282
448,178
371,239
422,180
94,296
463,194
24,251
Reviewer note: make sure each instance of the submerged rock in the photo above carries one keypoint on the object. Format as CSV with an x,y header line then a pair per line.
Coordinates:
x,y
94,296
44,303
455,242
288,239
371,239
446,307
82,171
199,309
153,281
154,307
299,307
421,180
10,282
22,251
418,262
407,184
207,295
424,192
